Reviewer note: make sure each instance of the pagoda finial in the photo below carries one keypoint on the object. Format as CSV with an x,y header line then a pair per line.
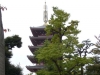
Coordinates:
x,y
45,14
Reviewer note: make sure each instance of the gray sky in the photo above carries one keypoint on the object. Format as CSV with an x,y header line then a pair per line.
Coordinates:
x,y
23,14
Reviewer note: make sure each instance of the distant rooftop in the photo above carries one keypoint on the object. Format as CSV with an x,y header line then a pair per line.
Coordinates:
x,y
43,26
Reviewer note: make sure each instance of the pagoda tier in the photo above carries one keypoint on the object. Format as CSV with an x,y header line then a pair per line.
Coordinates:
x,y
35,68
32,59
39,40
36,31
34,48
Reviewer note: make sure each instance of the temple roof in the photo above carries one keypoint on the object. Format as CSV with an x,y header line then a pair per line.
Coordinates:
x,y
35,68
41,28
41,37
32,59
34,48
39,40
38,30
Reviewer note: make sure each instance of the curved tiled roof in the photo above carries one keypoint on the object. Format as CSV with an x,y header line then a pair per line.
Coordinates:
x,y
32,59
35,68
34,48
39,40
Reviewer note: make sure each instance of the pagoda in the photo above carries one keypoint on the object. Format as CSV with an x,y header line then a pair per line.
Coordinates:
x,y
38,38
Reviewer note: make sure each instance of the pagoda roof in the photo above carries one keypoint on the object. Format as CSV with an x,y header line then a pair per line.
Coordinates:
x,y
32,59
34,48
38,31
41,37
35,68
39,40
43,26
40,28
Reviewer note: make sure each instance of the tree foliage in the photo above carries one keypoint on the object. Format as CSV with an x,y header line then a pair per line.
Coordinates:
x,y
97,45
62,56
94,69
10,43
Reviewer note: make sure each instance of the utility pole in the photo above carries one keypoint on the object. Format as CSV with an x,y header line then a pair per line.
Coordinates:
x,y
2,48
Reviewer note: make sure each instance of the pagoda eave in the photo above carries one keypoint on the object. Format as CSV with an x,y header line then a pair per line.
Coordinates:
x,y
41,37
37,31
35,68
37,28
32,59
34,48
39,40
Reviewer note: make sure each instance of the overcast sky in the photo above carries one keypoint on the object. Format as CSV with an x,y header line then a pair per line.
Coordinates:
x,y
23,14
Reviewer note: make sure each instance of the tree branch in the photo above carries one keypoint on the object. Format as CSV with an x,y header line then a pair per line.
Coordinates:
x,y
59,70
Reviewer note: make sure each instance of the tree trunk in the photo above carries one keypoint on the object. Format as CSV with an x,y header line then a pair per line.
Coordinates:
x,y
81,70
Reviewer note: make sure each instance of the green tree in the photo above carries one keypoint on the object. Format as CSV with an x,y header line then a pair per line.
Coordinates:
x,y
82,51
10,43
60,56
94,69
97,45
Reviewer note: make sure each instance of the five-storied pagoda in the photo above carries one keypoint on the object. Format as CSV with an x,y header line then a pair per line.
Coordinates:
x,y
2,50
37,40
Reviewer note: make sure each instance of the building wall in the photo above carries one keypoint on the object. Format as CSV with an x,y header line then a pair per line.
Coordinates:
x,y
2,50
2,62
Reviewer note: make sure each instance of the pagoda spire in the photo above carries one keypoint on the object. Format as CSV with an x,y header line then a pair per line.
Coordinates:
x,y
45,14
2,50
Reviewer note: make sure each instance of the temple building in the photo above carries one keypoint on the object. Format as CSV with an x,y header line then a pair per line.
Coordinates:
x,y
38,38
